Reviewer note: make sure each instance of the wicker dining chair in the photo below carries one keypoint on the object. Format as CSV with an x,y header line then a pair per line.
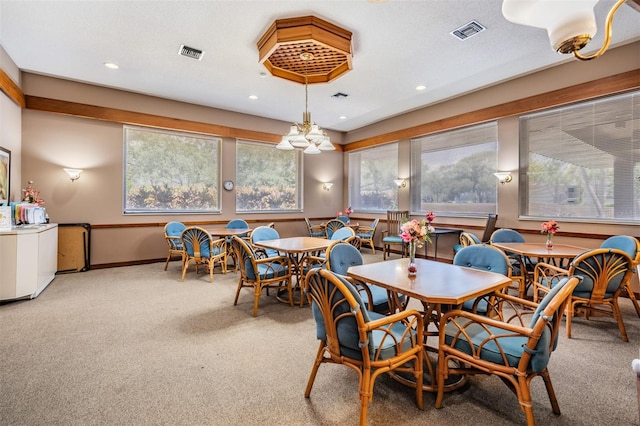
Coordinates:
x,y
172,233
509,346
201,249
367,342
605,274
259,273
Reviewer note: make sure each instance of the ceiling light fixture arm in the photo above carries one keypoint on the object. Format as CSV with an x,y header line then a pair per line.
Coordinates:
x,y
607,34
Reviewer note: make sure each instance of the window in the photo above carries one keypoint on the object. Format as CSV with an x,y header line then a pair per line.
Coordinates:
x,y
267,179
371,175
452,172
170,172
583,161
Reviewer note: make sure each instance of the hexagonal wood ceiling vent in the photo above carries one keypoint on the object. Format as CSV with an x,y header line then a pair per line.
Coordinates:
x,y
294,47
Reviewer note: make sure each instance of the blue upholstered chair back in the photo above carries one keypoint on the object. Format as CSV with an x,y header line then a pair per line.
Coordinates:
x,y
332,226
625,243
602,270
197,242
174,229
343,219
263,233
342,256
485,258
237,224
342,234
507,236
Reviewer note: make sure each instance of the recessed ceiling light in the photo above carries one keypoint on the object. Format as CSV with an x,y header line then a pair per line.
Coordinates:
x,y
111,65
421,87
263,74
253,97
343,117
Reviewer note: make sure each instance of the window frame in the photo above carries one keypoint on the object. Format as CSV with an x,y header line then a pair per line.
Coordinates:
x,y
556,112
416,152
355,181
216,146
299,160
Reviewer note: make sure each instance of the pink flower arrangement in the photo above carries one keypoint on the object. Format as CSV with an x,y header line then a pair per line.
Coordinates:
x,y
347,211
415,231
31,195
430,216
550,227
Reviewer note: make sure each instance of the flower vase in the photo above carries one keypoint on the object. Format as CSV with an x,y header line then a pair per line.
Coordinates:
x,y
549,242
412,268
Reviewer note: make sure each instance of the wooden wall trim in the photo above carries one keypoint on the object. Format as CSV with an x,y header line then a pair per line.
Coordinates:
x,y
141,119
138,118
605,86
11,89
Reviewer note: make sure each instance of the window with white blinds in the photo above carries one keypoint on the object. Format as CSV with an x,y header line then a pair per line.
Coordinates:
x,y
452,172
267,179
371,175
583,161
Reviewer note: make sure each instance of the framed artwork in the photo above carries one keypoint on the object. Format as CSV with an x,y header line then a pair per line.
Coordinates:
x,y
5,173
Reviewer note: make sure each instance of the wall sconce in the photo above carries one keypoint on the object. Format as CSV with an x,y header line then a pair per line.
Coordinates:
x,y
503,177
401,183
327,186
74,174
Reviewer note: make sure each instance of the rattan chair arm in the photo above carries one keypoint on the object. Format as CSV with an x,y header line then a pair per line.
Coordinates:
x,y
484,320
393,318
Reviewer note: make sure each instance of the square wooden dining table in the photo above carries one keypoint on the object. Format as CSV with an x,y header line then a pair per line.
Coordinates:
x,y
436,285
297,248
559,253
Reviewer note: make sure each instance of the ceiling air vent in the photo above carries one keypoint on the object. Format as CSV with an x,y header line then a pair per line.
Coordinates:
x,y
468,30
191,52
339,95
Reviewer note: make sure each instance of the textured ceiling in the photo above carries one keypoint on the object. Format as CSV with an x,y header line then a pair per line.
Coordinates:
x,y
396,46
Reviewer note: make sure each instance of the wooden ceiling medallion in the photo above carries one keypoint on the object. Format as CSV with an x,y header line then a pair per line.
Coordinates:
x,y
280,49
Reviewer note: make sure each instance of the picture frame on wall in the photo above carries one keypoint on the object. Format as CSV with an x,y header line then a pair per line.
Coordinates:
x,y
5,175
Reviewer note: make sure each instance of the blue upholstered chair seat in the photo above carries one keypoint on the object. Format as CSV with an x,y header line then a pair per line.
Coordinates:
x,y
392,239
484,258
348,332
511,345
266,270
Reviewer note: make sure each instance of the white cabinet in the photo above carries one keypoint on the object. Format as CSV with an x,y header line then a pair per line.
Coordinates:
x,y
28,260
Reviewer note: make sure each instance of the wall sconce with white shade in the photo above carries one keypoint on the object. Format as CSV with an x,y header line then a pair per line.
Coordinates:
x,y
570,25
400,183
327,186
74,174
503,177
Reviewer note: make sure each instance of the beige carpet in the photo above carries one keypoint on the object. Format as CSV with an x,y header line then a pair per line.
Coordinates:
x,y
135,346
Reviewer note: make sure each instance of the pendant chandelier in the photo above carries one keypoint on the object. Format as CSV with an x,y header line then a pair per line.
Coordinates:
x,y
307,136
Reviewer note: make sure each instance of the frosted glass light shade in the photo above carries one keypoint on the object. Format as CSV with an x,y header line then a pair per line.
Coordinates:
x,y
563,19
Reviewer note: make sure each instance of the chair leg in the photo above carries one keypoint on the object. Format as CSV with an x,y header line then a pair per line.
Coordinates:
x,y
366,392
314,369
524,398
571,307
552,395
185,266
632,296
618,316
166,264
419,378
257,291
235,300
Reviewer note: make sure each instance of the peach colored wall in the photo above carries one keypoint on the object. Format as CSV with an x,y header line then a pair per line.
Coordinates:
x,y
11,126
53,141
